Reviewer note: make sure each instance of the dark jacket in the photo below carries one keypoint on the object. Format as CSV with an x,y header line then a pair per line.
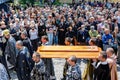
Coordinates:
x,y
70,34
118,39
82,36
2,55
102,71
61,34
48,63
10,50
27,43
39,71
99,43
41,31
23,64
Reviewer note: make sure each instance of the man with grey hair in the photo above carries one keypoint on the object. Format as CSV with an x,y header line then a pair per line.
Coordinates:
x,y
39,70
111,53
107,39
74,72
27,42
48,61
23,64
112,63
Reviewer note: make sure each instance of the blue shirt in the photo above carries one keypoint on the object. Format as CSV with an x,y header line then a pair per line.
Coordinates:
x,y
106,38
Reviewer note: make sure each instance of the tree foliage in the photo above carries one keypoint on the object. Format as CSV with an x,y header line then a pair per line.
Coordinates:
x,y
33,1
26,1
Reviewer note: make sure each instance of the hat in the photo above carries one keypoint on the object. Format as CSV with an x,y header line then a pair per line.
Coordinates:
x,y
6,32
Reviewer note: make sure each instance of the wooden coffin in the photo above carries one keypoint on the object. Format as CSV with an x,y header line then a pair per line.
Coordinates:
x,y
67,51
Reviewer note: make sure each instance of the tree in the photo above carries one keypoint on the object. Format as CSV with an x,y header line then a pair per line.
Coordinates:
x,y
26,1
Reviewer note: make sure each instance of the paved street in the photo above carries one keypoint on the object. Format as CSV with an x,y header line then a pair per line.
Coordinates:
x,y
59,67
58,64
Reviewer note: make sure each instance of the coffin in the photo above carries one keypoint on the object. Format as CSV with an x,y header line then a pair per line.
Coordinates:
x,y
67,51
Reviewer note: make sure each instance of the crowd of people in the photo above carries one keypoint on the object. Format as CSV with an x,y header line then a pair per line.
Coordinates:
x,y
23,30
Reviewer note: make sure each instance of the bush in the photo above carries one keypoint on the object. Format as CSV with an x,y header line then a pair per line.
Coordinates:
x,y
31,2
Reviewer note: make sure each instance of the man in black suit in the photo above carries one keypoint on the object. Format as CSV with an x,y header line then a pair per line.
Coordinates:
x,y
23,63
27,42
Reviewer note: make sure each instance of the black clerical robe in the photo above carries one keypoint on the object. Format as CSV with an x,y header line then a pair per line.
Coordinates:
x,y
102,71
49,64
27,43
23,64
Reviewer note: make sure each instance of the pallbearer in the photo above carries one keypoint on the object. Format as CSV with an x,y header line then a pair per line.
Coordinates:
x,y
88,72
39,71
26,42
23,63
73,72
68,42
102,70
48,61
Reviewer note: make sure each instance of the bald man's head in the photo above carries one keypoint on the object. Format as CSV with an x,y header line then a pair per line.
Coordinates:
x,y
19,45
110,52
